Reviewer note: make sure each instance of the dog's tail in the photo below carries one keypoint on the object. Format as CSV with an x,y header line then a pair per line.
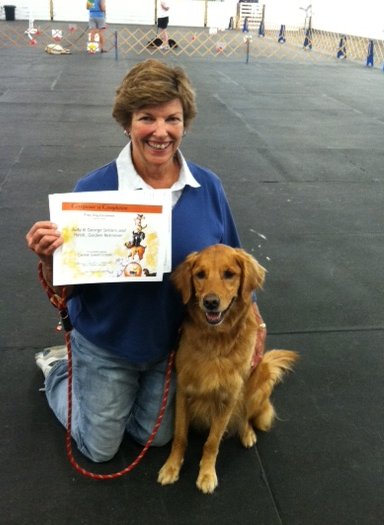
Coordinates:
x,y
270,371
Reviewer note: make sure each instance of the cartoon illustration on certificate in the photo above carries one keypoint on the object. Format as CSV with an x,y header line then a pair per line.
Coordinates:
x,y
112,236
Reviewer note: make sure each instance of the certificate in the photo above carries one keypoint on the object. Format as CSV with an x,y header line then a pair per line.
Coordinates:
x,y
112,236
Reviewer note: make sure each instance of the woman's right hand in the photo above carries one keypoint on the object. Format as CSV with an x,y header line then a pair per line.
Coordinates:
x,y
43,239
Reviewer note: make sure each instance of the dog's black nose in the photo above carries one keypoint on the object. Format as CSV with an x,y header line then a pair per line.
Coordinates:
x,y
211,302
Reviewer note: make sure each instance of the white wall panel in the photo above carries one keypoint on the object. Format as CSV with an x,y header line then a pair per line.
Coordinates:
x,y
140,12
219,13
188,13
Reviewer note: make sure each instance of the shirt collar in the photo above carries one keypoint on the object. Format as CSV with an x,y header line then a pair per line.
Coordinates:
x,y
130,180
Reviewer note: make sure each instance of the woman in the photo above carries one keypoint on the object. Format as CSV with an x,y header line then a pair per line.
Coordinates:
x,y
97,22
122,333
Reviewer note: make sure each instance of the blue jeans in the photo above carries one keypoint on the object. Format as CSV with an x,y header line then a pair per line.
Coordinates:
x,y
110,397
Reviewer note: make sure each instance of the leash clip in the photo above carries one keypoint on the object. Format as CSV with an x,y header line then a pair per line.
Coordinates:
x,y
65,320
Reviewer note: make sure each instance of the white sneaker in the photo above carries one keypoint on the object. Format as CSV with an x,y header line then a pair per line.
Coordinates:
x,y
49,356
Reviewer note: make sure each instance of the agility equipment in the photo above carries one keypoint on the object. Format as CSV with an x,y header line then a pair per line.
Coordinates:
x,y
370,55
245,25
308,35
308,39
281,39
342,50
261,32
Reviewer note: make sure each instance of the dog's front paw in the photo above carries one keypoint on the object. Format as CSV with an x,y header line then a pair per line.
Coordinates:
x,y
207,481
249,438
168,474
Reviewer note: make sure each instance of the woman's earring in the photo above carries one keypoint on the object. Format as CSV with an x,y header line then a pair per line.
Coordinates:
x,y
127,133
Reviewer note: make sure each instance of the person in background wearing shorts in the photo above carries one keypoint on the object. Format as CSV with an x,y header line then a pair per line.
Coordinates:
x,y
96,10
162,23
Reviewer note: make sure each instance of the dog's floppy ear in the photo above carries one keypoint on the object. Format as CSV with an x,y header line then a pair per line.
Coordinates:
x,y
182,277
253,274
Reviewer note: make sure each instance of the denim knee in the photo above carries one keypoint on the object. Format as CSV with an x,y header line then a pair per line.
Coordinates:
x,y
158,441
96,454
162,440
141,433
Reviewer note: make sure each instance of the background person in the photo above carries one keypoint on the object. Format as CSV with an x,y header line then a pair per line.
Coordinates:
x,y
97,25
123,333
162,23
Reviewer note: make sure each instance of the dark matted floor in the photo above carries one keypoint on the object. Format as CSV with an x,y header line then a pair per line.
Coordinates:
x,y
299,148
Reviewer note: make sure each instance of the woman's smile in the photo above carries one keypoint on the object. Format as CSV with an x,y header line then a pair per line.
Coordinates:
x,y
160,146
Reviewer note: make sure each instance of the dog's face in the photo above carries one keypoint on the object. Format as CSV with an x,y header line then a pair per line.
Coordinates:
x,y
217,279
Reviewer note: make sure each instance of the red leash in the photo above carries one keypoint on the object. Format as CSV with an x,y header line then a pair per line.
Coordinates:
x,y
59,302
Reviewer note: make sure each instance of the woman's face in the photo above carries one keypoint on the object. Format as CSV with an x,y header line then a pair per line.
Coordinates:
x,y
156,133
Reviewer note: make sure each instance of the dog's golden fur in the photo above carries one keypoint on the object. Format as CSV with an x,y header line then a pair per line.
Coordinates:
x,y
216,385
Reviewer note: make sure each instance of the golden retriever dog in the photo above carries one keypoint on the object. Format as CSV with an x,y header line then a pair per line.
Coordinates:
x,y
217,387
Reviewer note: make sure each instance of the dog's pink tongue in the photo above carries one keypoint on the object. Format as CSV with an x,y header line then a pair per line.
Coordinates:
x,y
213,317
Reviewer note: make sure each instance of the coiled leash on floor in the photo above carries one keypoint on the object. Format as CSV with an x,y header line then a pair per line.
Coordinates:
x,y
60,302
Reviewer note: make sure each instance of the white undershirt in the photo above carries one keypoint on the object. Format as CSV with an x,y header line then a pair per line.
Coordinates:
x,y
130,180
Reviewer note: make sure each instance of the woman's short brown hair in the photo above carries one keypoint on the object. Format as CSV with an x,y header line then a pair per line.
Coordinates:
x,y
150,83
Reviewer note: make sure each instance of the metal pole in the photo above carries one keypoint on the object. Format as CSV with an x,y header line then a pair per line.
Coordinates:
x,y
116,47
